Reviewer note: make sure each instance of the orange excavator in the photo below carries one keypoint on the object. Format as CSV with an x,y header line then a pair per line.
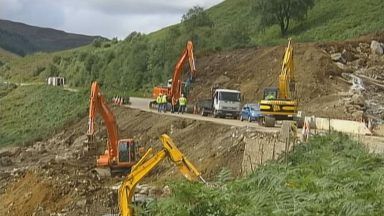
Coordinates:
x,y
120,154
174,89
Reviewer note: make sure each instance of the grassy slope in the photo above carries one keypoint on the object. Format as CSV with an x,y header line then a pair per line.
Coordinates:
x,y
331,175
30,113
6,56
328,20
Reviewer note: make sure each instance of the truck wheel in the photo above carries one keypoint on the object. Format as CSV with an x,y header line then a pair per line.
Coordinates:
x,y
202,112
215,115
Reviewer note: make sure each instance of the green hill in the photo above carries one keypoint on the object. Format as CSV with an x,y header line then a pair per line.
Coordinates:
x,y
24,39
142,61
31,113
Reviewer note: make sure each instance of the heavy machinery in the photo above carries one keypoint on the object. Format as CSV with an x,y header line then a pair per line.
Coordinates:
x,y
120,154
176,86
281,103
146,164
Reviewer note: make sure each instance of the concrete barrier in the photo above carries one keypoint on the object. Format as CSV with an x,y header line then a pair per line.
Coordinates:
x,y
345,126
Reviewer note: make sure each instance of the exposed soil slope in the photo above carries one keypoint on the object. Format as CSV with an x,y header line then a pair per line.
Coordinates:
x,y
320,86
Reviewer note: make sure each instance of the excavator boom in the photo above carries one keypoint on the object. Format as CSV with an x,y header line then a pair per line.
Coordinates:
x,y
286,77
174,91
176,79
120,154
98,104
145,165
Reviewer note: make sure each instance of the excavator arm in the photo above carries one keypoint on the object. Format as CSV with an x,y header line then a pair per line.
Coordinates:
x,y
144,166
286,77
176,79
98,104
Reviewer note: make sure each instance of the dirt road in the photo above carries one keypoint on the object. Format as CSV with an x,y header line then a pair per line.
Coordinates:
x,y
142,104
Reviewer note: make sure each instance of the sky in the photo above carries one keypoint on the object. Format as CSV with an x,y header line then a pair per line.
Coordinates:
x,y
108,18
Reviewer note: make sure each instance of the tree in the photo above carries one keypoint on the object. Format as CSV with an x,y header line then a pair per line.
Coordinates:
x,y
196,17
282,11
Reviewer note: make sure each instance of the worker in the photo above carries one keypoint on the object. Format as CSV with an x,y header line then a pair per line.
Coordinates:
x,y
158,102
270,96
182,104
164,102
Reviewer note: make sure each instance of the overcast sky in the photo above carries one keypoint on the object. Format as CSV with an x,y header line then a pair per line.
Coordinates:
x,y
108,18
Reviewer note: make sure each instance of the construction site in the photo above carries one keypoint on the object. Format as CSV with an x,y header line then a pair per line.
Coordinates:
x,y
127,154
54,176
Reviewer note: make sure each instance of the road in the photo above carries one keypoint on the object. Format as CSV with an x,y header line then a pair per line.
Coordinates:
x,y
143,104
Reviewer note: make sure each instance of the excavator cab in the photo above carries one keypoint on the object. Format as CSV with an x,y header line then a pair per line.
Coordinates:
x,y
270,93
126,151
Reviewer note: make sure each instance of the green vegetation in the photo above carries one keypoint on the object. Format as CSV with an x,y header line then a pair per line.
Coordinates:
x,y
282,12
139,62
31,113
136,64
331,175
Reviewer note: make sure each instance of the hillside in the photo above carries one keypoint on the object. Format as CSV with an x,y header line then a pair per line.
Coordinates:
x,y
32,113
135,65
147,60
24,39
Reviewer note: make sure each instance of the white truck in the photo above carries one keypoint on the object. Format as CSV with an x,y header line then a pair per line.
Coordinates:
x,y
224,103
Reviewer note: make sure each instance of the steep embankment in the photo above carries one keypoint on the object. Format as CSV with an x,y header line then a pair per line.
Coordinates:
x,y
324,86
60,170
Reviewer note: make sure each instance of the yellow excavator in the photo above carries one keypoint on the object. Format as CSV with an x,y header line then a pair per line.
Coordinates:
x,y
146,164
281,103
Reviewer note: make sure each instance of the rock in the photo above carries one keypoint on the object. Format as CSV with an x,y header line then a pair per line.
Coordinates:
x,y
376,48
342,66
358,99
166,191
5,161
336,57
144,190
81,203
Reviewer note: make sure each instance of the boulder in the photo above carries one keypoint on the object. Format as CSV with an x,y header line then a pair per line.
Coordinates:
x,y
343,67
376,48
358,99
336,57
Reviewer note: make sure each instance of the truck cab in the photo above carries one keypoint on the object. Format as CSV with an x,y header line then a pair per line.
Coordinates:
x,y
226,102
